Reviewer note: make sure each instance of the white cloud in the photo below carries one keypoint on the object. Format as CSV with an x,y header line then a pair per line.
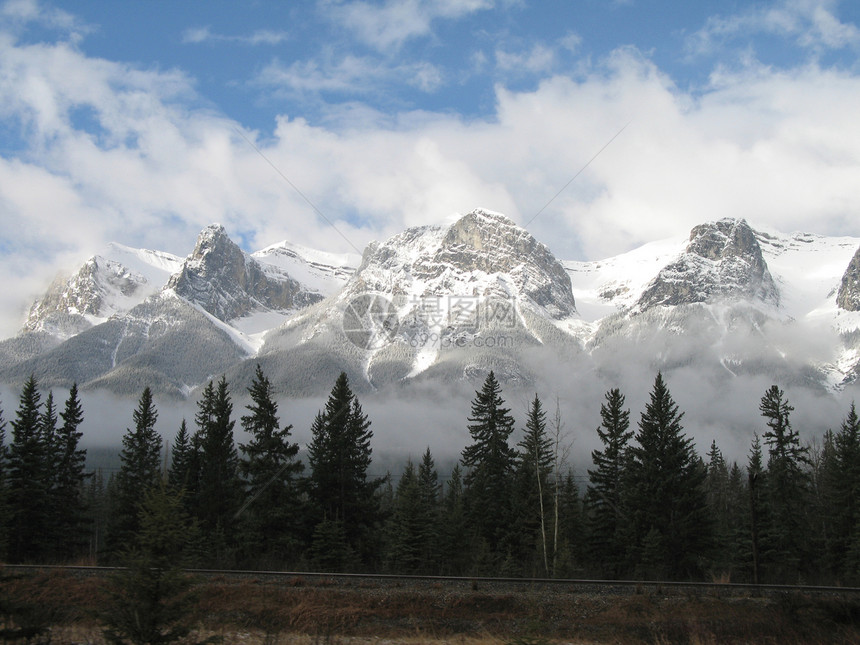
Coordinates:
x,y
537,61
812,24
346,75
389,25
781,148
197,35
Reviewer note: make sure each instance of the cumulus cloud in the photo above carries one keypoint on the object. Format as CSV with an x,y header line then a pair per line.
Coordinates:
x,y
389,25
197,35
111,152
812,24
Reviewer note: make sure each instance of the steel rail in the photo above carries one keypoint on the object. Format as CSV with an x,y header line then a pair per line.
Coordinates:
x,y
490,580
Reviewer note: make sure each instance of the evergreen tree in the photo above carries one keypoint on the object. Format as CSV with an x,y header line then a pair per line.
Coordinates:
x,y
665,495
533,494
787,486
139,472
717,496
29,477
490,463
603,498
429,488
4,503
454,544
339,455
406,525
179,474
844,484
219,490
271,516
149,599
759,542
68,495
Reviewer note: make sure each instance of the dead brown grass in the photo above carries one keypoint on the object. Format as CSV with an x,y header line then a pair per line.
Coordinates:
x,y
256,611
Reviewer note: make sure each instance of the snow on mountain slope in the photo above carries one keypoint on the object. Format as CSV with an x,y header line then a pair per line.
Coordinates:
x,y
607,286
438,301
318,271
107,284
808,269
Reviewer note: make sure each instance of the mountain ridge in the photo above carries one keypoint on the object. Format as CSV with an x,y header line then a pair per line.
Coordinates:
x,y
726,296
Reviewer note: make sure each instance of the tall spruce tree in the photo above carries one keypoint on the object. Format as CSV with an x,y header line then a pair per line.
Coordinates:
x,y
406,525
604,495
140,461
29,478
787,486
429,489
717,495
179,474
339,455
533,494
665,496
69,477
4,502
845,486
219,489
272,514
489,461
455,546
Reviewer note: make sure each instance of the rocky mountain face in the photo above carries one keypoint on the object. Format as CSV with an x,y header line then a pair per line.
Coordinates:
x,y
848,297
723,260
434,302
230,284
445,304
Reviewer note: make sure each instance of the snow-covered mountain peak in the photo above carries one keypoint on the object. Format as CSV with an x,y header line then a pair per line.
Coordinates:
x,y
723,259
229,284
482,254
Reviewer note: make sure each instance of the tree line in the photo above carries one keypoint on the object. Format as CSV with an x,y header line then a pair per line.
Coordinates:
x,y
651,508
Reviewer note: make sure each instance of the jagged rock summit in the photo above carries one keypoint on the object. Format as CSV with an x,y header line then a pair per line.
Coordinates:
x,y
723,259
107,284
230,284
482,254
848,297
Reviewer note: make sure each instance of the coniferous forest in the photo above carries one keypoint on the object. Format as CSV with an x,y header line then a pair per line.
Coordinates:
x,y
652,507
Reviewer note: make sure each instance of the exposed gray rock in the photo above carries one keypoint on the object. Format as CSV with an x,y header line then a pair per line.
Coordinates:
x,y
848,297
68,304
229,284
723,260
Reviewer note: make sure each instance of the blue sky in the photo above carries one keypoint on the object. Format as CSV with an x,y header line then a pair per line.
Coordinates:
x,y
142,122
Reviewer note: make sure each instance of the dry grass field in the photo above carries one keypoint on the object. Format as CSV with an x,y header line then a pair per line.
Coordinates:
x,y
66,607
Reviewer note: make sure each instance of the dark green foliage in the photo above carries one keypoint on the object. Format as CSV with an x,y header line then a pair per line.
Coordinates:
x,y
841,481
69,477
787,487
4,503
490,463
218,493
179,475
603,498
149,600
664,493
406,525
140,461
717,496
28,480
271,517
339,456
533,494
454,542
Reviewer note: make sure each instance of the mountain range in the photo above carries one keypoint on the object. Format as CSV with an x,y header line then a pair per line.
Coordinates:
x,y
445,304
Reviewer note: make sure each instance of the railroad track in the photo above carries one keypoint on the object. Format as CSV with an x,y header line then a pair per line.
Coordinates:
x,y
571,585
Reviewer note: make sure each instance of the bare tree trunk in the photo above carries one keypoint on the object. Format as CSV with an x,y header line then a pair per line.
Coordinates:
x,y
542,512
560,459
